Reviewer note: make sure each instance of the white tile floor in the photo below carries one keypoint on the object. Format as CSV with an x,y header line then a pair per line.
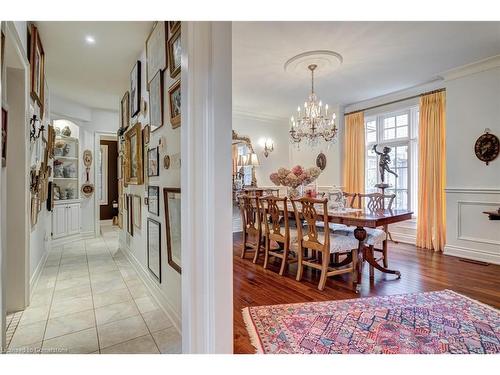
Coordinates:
x,y
89,299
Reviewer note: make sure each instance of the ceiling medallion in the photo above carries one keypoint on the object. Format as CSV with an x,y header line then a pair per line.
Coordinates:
x,y
313,122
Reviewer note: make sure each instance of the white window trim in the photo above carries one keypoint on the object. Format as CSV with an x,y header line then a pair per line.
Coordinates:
x,y
411,141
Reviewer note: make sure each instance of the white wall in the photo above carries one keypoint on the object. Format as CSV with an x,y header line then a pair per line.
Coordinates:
x,y
473,104
169,291
255,128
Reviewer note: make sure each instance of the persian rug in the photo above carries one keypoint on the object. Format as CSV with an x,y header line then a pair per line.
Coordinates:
x,y
420,323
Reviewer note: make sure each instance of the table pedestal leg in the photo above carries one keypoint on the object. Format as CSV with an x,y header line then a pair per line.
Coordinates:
x,y
368,256
360,235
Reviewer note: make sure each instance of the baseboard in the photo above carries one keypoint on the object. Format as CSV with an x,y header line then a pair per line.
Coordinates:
x,y
38,271
153,287
463,252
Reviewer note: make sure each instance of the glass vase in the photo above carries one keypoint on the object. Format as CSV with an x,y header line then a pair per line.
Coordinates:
x,y
295,193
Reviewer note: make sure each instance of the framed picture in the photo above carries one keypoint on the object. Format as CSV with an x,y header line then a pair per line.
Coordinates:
x,y
146,133
119,171
136,209
51,140
125,111
174,53
174,100
154,248
5,119
155,90
37,68
154,200
130,217
133,156
156,50
172,202
172,26
135,89
153,162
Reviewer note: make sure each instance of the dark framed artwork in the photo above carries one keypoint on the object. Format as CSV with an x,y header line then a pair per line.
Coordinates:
x,y
174,53
156,50
154,248
321,161
153,162
130,217
172,202
154,200
135,89
125,111
155,90
174,100
37,68
5,118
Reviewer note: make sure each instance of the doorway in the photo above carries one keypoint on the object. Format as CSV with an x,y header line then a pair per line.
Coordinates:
x,y
108,178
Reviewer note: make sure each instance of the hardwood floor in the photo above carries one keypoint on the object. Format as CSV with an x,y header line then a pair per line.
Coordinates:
x,y
421,270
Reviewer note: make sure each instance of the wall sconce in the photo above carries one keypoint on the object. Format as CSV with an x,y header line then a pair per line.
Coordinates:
x,y
268,146
33,131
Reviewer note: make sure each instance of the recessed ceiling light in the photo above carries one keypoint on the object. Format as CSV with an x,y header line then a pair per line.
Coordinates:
x,y
90,39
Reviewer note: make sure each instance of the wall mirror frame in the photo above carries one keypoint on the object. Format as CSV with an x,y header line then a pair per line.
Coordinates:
x,y
242,173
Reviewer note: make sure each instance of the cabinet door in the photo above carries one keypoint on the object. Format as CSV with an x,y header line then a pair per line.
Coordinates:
x,y
59,227
73,218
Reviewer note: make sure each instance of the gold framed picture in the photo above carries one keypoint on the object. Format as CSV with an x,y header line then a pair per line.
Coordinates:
x,y
37,68
174,53
133,162
125,111
174,99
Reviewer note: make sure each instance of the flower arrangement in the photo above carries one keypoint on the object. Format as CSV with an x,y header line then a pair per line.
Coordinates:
x,y
295,177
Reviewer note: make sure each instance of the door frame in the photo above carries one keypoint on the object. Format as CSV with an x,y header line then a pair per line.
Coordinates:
x,y
97,148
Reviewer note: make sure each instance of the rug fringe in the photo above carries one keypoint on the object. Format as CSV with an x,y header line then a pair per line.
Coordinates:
x,y
252,331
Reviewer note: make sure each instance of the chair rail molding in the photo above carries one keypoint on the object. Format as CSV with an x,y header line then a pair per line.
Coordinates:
x,y
207,270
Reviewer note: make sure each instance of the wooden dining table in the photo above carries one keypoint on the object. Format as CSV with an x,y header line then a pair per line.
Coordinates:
x,y
361,219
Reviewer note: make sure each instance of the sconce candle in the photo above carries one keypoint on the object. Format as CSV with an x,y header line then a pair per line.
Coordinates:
x,y
268,147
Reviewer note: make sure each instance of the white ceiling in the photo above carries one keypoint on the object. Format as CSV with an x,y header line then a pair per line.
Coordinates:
x,y
93,75
379,58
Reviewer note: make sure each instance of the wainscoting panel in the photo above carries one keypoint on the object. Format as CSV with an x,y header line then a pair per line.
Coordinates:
x,y
470,234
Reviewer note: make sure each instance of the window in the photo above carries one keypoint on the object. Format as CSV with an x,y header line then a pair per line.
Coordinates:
x,y
397,130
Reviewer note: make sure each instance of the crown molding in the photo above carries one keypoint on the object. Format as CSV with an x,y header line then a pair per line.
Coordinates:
x,y
239,112
475,67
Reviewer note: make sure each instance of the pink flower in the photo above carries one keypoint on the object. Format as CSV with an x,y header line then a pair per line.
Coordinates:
x,y
275,179
297,170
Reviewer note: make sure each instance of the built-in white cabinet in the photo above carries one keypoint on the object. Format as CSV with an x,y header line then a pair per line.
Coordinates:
x,y
65,219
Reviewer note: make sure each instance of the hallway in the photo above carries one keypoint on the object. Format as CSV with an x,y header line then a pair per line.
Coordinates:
x,y
89,299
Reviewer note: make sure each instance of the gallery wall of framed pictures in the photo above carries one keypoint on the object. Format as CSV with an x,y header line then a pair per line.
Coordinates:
x,y
155,113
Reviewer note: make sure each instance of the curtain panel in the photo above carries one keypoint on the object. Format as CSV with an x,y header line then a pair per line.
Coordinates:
x,y
431,221
354,153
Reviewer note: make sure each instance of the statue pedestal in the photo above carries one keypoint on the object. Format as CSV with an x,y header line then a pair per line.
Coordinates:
x,y
386,228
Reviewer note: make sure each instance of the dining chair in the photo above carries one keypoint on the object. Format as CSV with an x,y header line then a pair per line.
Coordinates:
x,y
308,213
350,197
277,228
252,226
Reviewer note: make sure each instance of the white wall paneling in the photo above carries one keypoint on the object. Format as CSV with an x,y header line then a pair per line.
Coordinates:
x,y
470,234
207,273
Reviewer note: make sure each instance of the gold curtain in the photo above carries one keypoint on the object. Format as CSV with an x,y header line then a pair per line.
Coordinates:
x,y
354,153
431,220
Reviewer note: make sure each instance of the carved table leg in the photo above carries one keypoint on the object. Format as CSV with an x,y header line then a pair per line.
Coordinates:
x,y
369,257
360,235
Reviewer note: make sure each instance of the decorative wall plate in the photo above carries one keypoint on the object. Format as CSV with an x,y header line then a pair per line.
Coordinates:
x,y
487,147
166,162
321,161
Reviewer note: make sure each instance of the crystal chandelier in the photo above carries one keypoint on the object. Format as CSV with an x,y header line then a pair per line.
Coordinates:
x,y
313,122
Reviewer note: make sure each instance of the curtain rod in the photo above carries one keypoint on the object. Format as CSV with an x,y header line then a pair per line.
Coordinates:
x,y
396,101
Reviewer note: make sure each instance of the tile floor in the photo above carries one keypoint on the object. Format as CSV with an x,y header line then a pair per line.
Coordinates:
x,y
89,299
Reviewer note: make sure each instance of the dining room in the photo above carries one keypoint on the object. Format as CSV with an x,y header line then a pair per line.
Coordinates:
x,y
361,192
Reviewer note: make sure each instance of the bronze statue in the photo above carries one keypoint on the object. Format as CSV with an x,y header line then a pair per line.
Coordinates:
x,y
383,162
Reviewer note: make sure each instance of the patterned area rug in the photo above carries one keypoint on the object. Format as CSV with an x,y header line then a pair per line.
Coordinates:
x,y
421,323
